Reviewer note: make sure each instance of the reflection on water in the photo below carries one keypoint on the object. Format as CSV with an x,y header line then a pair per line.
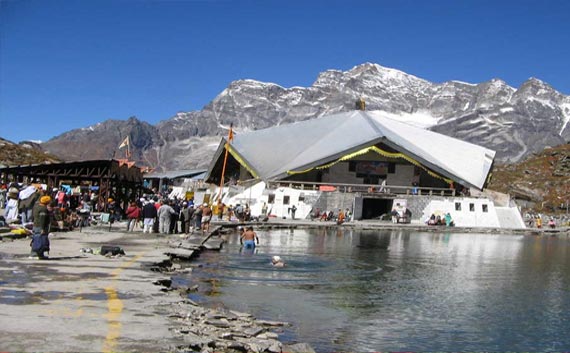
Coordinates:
x,y
359,290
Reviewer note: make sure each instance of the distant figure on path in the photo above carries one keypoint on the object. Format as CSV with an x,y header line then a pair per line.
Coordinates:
x,y
293,210
264,210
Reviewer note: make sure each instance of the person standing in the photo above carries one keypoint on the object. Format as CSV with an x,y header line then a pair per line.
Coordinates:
x,y
164,214
186,215
149,216
293,210
206,217
3,193
11,211
40,241
174,217
264,210
198,217
248,238
133,214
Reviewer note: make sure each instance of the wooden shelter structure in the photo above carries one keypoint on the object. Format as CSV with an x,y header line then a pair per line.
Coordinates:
x,y
111,178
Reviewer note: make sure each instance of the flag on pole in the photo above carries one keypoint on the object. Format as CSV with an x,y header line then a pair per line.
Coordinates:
x,y
124,143
231,133
230,138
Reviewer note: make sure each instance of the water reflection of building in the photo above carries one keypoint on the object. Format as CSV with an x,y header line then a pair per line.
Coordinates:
x,y
363,161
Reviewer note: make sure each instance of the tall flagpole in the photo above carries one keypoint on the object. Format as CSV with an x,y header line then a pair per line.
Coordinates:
x,y
230,138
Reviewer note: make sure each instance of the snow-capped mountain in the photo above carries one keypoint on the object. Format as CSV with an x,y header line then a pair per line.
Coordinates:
x,y
514,122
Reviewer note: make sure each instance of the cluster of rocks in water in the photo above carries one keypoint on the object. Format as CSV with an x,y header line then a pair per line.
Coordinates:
x,y
220,330
209,330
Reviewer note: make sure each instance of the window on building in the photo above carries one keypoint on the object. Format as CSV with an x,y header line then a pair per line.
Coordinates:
x,y
271,198
391,168
352,166
485,208
286,200
458,206
301,197
472,207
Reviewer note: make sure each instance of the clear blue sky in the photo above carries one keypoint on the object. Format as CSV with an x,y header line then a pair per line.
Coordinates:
x,y
71,64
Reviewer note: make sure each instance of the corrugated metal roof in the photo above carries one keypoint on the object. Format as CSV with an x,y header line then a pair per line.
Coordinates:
x,y
272,152
174,174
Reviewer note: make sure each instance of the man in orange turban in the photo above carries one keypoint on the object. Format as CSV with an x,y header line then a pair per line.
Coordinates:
x,y
45,200
40,240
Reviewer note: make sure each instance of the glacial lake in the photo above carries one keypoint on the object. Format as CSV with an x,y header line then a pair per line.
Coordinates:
x,y
362,290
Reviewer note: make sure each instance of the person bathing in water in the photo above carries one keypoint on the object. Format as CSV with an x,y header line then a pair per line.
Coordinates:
x,y
277,261
248,238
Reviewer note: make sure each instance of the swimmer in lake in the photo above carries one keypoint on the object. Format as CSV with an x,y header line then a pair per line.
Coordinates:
x,y
277,261
248,238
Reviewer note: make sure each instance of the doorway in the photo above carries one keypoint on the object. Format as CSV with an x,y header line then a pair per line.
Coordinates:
x,y
373,208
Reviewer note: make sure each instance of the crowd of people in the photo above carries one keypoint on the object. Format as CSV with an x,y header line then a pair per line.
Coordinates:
x,y
339,217
438,220
539,220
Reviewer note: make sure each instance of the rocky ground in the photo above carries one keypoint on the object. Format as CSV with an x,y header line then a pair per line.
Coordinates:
x,y
540,182
25,153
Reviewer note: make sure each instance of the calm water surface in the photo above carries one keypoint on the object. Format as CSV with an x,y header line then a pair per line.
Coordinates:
x,y
360,290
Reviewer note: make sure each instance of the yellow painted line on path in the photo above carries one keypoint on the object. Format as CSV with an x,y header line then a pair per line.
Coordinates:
x,y
115,307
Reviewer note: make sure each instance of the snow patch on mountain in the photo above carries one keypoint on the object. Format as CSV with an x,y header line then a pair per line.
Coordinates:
x,y
565,107
421,119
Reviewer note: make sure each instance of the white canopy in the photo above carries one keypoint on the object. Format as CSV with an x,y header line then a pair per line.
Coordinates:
x,y
271,154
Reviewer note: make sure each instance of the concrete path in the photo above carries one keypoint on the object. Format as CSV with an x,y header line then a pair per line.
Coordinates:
x,y
76,302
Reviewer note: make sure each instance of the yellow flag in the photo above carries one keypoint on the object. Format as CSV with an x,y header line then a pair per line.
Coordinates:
x,y
125,142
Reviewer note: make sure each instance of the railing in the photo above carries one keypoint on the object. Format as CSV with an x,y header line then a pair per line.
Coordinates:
x,y
364,188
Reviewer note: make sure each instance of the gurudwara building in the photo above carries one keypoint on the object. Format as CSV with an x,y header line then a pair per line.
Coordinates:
x,y
363,161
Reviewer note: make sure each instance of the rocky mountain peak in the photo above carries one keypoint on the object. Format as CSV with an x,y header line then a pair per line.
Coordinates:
x,y
328,78
515,122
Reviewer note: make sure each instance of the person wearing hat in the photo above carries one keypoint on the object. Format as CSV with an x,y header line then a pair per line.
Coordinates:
x,y
149,214
40,240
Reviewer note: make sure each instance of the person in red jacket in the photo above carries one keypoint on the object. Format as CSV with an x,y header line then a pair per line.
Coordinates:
x,y
133,215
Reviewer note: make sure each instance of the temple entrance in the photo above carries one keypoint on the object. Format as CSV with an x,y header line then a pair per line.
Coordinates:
x,y
373,208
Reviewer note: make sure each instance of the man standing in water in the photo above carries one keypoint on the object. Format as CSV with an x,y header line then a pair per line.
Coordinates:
x,y
248,238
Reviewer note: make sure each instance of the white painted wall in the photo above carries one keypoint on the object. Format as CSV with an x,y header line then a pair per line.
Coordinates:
x,y
465,217
256,195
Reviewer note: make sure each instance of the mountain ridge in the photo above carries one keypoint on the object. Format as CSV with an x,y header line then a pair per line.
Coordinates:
x,y
515,122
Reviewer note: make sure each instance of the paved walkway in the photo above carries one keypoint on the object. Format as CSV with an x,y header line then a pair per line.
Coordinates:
x,y
84,302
